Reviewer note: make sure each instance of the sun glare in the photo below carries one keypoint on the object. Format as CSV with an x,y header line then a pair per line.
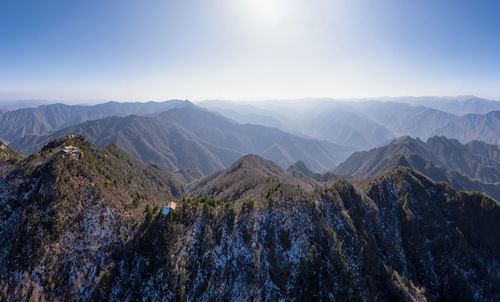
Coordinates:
x,y
264,10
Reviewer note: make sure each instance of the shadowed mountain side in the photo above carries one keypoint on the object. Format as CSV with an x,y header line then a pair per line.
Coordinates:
x,y
439,158
476,160
481,149
193,138
438,173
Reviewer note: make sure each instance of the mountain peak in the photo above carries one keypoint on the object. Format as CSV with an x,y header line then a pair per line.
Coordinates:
x,y
248,177
70,139
406,140
254,162
299,170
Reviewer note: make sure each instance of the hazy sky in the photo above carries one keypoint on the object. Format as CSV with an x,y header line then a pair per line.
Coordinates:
x,y
247,49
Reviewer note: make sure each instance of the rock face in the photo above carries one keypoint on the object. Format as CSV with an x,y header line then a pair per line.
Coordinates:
x,y
88,227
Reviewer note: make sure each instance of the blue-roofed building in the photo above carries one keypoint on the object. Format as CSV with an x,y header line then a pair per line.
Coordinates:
x,y
171,206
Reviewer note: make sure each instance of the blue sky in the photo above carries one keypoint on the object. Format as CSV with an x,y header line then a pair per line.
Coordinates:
x,y
247,49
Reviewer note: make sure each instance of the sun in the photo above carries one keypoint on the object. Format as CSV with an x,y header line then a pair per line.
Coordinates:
x,y
264,10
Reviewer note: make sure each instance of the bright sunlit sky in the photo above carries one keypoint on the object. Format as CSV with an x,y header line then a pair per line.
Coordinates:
x,y
97,50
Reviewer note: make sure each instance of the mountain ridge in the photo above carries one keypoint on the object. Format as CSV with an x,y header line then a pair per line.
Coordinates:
x,y
470,127
439,158
196,138
46,118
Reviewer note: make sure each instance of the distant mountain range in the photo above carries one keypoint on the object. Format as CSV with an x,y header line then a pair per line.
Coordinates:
x,y
364,124
20,104
460,105
194,138
46,118
403,119
248,114
88,226
180,136
344,127
358,124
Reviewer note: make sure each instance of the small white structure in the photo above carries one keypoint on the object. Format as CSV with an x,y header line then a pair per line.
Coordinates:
x,y
70,150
